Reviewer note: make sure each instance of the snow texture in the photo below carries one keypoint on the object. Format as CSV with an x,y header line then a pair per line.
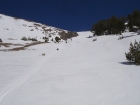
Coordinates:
x,y
81,72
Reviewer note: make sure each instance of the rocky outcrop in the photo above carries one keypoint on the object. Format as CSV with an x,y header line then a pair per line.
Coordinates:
x,y
67,35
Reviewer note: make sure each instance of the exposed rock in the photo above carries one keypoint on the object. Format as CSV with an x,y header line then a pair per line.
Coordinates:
x,y
67,35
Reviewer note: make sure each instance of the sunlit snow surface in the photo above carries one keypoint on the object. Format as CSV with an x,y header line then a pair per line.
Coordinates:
x,y
81,72
13,29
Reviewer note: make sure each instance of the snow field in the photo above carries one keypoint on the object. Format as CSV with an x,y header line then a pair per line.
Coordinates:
x,y
81,72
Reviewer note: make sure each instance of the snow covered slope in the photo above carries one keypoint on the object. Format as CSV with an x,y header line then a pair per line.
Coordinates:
x,y
18,28
12,30
81,72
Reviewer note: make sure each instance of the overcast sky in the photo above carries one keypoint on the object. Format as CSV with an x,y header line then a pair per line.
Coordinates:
x,y
73,15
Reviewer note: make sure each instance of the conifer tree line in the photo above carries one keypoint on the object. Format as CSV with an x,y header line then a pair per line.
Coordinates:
x,y
116,25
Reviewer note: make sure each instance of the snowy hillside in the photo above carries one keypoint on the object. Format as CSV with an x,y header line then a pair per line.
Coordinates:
x,y
81,72
12,30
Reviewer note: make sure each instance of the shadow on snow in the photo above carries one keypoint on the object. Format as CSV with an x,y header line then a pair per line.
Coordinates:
x,y
128,63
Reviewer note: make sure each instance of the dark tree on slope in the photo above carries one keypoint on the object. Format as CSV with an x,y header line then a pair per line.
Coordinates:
x,y
57,39
111,26
134,54
134,20
115,25
0,40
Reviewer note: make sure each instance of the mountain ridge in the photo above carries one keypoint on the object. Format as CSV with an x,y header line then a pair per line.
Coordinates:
x,y
13,30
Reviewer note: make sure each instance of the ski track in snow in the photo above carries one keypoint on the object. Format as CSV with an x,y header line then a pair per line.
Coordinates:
x,y
24,78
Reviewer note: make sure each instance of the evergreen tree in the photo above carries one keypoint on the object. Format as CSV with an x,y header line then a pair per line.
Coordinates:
x,y
57,39
134,54
115,25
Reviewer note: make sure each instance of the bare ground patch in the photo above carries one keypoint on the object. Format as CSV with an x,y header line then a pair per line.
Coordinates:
x,y
24,47
8,44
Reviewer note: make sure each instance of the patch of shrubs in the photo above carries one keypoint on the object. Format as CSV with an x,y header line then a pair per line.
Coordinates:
x,y
24,38
116,25
27,39
95,39
34,39
32,30
0,40
134,54
46,39
57,39
110,26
